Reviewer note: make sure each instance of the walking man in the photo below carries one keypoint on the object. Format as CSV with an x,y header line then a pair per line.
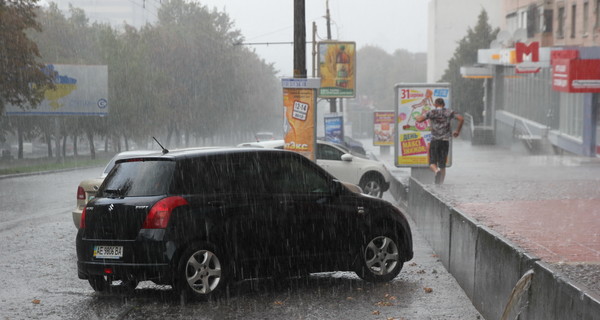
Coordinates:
x,y
441,133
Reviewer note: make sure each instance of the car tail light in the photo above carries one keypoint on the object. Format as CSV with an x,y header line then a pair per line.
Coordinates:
x,y
82,221
159,215
80,193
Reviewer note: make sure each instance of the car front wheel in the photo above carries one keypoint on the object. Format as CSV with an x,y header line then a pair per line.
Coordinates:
x,y
379,259
201,274
372,184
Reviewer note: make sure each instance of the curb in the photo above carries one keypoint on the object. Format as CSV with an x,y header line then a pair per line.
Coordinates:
x,y
488,266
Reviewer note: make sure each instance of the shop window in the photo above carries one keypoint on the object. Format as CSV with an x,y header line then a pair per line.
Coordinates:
x,y
571,113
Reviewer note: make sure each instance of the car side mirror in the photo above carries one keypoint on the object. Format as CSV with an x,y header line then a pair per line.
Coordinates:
x,y
347,157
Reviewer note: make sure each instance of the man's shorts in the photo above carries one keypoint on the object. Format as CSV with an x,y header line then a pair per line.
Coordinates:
x,y
438,152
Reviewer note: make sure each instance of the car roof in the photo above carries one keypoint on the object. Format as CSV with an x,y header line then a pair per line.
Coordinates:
x,y
206,151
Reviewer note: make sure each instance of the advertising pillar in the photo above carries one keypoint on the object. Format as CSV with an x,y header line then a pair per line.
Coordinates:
x,y
300,103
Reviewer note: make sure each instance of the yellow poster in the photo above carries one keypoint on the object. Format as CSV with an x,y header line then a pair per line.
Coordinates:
x,y
299,126
337,69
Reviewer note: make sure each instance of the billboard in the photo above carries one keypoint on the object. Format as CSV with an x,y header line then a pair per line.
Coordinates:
x,y
334,128
413,138
574,75
337,69
80,90
299,129
383,128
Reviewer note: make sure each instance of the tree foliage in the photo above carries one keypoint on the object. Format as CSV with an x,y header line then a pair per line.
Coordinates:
x,y
467,94
183,77
22,79
379,71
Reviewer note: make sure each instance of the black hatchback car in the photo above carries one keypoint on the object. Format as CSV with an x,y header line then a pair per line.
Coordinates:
x,y
198,219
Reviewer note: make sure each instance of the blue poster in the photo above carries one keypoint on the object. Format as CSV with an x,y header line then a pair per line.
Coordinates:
x,y
334,129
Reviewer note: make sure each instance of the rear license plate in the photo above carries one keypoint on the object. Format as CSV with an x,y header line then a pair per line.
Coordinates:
x,y
108,252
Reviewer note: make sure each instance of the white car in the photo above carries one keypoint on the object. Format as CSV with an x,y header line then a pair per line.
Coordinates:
x,y
87,189
372,176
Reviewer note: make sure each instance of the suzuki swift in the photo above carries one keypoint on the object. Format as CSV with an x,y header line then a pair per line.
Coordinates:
x,y
199,219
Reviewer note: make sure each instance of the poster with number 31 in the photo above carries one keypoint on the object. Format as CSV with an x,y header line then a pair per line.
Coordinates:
x,y
413,138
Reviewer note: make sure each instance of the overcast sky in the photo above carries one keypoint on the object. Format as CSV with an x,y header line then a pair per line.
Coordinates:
x,y
388,24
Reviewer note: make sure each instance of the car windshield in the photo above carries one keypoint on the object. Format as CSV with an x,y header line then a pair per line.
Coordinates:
x,y
138,178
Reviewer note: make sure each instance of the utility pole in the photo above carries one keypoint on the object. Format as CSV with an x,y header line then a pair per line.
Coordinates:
x,y
299,40
332,101
314,47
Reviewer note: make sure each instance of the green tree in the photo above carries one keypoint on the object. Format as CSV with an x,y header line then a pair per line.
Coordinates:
x,y
22,76
183,76
467,94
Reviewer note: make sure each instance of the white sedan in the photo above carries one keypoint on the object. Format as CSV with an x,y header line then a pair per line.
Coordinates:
x,y
372,176
87,189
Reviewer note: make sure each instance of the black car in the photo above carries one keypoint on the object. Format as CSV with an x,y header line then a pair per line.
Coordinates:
x,y
197,219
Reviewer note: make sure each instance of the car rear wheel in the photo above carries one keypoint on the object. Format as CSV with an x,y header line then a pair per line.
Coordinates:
x,y
379,259
372,184
201,274
108,284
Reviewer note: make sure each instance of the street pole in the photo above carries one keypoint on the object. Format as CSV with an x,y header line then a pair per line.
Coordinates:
x,y
332,101
299,40
314,47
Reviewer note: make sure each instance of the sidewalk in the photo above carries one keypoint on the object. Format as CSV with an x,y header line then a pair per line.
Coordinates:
x,y
546,205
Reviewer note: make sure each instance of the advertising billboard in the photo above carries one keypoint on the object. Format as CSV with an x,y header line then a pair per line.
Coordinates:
x,y
334,128
383,128
80,90
413,138
574,75
299,102
337,69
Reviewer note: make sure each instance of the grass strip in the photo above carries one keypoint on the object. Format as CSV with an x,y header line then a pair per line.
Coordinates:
x,y
50,164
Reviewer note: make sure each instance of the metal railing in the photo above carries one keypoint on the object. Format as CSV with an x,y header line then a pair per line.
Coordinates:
x,y
522,132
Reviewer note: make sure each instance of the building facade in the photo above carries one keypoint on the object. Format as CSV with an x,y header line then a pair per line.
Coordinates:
x,y
448,23
544,75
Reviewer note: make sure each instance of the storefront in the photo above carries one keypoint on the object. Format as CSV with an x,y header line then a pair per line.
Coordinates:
x,y
549,95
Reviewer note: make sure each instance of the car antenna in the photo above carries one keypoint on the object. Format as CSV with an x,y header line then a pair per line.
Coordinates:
x,y
164,150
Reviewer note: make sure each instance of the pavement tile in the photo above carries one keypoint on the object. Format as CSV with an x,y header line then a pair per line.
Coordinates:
x,y
564,230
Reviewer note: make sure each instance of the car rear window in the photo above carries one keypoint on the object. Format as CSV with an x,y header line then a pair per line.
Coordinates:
x,y
138,178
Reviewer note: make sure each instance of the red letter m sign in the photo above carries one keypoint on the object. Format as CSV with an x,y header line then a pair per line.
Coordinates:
x,y
532,50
